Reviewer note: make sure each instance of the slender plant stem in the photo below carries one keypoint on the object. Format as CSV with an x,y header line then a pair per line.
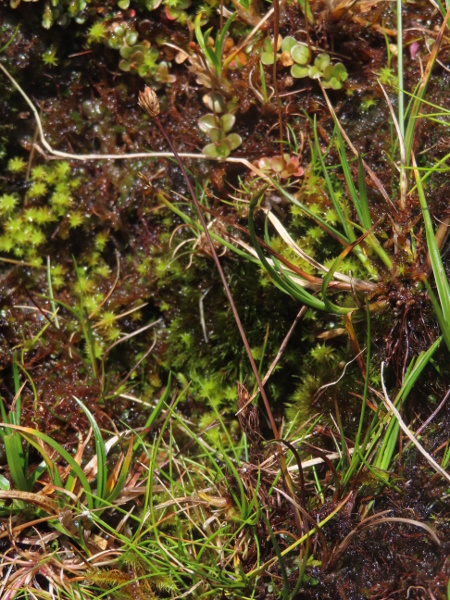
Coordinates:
x,y
401,97
224,281
154,111
276,33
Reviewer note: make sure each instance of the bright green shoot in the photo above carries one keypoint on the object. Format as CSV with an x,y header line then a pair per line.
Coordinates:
x,y
358,197
388,428
442,310
213,54
16,455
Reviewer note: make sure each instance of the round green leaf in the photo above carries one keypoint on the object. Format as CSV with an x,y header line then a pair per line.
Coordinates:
x,y
215,103
216,134
288,43
314,73
268,45
340,72
300,54
267,58
299,72
235,140
277,163
227,122
210,150
206,123
125,65
335,84
131,38
144,71
224,148
322,61
126,51
328,72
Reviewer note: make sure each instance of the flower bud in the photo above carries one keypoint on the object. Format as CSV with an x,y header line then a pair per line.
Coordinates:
x,y
148,101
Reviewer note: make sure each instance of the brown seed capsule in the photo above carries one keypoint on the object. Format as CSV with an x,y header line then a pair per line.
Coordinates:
x,y
148,101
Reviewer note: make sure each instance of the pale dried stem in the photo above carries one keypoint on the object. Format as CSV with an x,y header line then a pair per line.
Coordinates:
x,y
401,141
390,406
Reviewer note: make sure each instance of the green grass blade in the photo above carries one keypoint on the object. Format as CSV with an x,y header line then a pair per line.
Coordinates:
x,y
306,10
85,325
350,236
386,450
284,284
354,464
28,434
360,203
16,461
443,323
112,494
362,188
220,40
159,406
440,276
326,226
51,295
14,417
331,307
100,450
421,89
401,99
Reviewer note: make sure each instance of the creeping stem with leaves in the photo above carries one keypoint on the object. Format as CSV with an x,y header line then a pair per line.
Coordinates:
x,y
148,101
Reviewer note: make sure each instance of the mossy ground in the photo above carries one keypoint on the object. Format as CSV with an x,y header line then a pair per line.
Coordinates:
x,y
137,298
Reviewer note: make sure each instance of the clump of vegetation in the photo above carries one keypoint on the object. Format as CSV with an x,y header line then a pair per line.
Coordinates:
x,y
298,57
223,373
218,130
49,198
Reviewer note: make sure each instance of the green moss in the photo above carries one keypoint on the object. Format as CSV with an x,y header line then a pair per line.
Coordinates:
x,y
92,302
6,243
14,226
101,239
97,33
36,236
84,283
331,216
321,353
40,215
103,270
57,276
17,165
38,189
8,203
49,57
76,219
299,409
315,234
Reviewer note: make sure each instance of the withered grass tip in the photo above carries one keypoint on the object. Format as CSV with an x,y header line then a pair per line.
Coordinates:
x,y
149,102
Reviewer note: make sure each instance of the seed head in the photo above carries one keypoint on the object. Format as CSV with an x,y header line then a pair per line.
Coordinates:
x,y
148,101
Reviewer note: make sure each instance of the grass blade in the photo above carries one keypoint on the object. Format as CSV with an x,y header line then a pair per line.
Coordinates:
x,y
440,276
29,434
99,450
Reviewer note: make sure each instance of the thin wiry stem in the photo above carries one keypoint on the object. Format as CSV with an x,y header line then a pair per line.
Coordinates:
x,y
222,277
148,102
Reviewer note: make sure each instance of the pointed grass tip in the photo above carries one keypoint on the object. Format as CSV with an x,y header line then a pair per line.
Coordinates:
x,y
149,102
